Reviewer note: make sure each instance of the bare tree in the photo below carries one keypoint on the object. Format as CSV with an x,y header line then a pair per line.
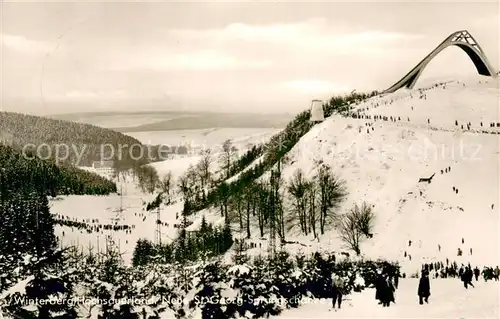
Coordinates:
x,y
276,211
300,188
194,183
250,197
312,210
356,225
203,169
183,186
349,231
228,153
366,219
166,186
262,206
148,178
223,197
332,192
236,205
186,186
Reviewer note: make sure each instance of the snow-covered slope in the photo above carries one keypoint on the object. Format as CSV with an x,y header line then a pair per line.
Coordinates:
x,y
106,209
382,161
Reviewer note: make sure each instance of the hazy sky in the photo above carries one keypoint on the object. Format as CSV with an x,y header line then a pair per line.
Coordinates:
x,y
246,56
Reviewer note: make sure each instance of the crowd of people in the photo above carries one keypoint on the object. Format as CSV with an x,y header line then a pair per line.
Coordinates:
x,y
451,270
89,225
387,282
360,113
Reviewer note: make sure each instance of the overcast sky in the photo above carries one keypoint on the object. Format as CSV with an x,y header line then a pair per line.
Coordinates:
x,y
246,57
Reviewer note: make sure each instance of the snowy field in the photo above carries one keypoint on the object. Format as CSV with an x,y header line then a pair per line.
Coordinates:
x,y
205,138
107,210
449,299
132,202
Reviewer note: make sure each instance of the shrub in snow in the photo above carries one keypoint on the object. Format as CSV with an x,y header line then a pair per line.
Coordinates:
x,y
209,296
265,298
156,285
46,292
113,285
320,269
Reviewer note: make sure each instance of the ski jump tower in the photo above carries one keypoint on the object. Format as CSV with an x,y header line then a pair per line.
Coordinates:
x,y
464,40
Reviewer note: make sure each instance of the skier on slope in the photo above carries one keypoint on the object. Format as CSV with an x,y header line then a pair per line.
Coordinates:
x,y
424,288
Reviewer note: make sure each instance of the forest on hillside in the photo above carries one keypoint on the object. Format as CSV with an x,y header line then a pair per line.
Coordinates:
x,y
270,154
19,173
257,202
77,143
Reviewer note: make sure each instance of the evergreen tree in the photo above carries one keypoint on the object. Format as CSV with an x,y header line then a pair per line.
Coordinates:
x,y
227,237
52,280
27,225
144,249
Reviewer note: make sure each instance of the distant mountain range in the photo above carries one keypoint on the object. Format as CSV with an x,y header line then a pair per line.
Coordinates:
x,y
165,121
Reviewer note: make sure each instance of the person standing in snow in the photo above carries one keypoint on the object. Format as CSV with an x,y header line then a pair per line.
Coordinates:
x,y
337,290
388,292
496,273
396,278
384,290
461,272
485,274
476,273
424,288
379,286
467,277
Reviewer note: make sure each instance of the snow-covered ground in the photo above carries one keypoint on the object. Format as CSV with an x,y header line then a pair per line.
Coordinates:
x,y
205,138
449,299
381,162
107,208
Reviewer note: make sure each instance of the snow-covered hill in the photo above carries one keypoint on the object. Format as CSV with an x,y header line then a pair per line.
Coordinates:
x,y
382,161
441,128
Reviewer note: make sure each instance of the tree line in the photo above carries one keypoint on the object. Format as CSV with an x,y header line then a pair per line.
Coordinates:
x,y
86,143
272,152
18,172
69,274
208,241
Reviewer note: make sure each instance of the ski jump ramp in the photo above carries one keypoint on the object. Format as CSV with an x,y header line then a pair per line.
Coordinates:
x,y
464,40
